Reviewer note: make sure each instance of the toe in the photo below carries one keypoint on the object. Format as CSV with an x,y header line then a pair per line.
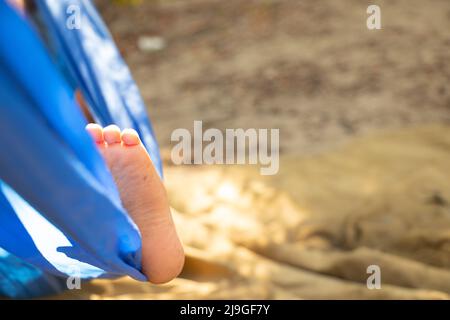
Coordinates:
x,y
111,134
130,137
95,131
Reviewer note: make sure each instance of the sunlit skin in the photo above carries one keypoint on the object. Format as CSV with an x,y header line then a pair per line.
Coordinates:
x,y
18,4
144,197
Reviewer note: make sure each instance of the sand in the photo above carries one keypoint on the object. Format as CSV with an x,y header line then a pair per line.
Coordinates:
x,y
311,231
364,119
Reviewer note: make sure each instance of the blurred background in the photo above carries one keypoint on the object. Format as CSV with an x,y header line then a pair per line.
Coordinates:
x,y
364,119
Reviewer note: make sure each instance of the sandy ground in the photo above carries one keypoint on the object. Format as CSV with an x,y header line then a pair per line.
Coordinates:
x,y
310,68
312,231
364,120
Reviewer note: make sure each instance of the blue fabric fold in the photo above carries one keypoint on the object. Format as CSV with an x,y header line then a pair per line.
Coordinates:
x,y
60,211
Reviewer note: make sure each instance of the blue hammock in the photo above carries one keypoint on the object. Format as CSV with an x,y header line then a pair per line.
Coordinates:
x,y
60,212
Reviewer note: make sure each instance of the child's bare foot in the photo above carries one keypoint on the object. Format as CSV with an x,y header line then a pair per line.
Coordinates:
x,y
144,197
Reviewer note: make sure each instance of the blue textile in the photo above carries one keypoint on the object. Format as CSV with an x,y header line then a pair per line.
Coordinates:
x,y
60,212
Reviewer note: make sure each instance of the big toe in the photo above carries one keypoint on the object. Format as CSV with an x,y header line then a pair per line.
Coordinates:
x,y
96,132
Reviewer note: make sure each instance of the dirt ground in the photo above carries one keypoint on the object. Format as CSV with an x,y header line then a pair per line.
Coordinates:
x,y
364,119
310,68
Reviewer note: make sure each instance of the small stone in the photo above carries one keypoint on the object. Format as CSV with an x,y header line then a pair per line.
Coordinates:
x,y
151,44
